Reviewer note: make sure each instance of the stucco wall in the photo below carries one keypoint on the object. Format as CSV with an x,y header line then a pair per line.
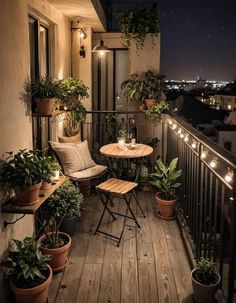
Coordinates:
x,y
15,120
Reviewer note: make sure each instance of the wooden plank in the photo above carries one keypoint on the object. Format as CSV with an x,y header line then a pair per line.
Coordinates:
x,y
179,261
54,287
12,207
143,233
148,292
165,279
89,284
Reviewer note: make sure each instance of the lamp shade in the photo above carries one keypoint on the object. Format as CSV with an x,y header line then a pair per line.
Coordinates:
x,y
101,49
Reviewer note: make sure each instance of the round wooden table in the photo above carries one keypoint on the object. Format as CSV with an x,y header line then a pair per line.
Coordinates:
x,y
113,151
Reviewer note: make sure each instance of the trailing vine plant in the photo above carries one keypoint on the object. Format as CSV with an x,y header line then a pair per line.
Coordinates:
x,y
137,23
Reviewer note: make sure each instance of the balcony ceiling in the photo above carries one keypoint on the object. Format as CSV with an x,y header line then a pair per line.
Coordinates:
x,y
89,12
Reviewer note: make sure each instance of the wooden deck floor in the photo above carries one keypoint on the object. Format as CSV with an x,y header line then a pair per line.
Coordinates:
x,y
150,266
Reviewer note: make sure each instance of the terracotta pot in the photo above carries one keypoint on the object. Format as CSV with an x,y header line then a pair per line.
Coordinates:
x,y
204,293
45,106
59,255
46,185
28,195
37,294
166,208
149,103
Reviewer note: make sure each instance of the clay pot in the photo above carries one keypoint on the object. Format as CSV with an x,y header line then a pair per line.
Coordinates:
x,y
37,294
46,185
44,106
28,195
149,103
166,208
59,255
204,293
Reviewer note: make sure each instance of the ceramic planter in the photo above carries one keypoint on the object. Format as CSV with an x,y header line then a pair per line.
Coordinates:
x,y
37,294
166,208
28,195
68,225
44,106
59,255
204,293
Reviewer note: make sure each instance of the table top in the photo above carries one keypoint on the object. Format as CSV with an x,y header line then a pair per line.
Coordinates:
x,y
112,150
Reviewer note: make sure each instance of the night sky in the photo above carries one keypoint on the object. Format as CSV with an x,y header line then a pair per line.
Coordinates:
x,y
198,38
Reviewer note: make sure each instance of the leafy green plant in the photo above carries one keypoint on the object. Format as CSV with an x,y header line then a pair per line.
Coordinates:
x,y
113,125
44,87
165,178
137,23
205,272
157,110
73,120
26,266
47,168
122,133
153,85
55,165
73,91
24,168
133,89
65,202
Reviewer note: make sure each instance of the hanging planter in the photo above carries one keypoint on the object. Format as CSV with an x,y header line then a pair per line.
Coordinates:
x,y
137,23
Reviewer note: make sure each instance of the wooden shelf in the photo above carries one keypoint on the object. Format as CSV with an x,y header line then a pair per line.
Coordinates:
x,y
54,113
12,207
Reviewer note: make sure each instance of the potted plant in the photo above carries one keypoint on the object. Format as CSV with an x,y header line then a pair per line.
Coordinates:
x,y
55,242
24,172
56,168
44,91
67,199
28,272
165,180
205,281
157,110
47,170
137,23
153,86
133,89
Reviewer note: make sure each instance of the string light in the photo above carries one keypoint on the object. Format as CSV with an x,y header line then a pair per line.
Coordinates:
x,y
186,138
194,144
203,154
174,126
181,136
170,122
229,176
179,131
213,163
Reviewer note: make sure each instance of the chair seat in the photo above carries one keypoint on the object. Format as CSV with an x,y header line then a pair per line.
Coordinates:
x,y
88,173
117,186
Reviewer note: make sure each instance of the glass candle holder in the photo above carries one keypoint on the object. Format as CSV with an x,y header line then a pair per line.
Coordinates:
x,y
121,143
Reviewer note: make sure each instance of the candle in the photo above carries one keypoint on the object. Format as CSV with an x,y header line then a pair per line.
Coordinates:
x,y
121,143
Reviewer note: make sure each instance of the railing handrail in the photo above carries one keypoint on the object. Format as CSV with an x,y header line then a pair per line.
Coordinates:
x,y
218,150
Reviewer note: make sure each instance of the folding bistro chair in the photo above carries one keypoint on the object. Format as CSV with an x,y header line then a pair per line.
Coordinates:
x,y
119,188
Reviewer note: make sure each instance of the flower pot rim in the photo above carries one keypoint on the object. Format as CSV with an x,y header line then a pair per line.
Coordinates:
x,y
166,201
49,278
43,237
206,285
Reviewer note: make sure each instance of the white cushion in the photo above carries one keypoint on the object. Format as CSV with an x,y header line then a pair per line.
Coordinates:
x,y
90,173
74,157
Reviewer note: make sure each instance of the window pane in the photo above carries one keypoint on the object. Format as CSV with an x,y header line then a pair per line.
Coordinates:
x,y
33,47
43,50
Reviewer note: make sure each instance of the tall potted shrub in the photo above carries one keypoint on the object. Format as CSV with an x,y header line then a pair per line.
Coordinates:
x,y
55,242
165,180
44,92
24,172
74,91
28,272
205,281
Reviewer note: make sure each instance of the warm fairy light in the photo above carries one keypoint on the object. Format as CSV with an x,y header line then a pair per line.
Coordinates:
x,y
186,138
174,126
181,136
170,122
194,144
213,163
179,131
229,176
203,154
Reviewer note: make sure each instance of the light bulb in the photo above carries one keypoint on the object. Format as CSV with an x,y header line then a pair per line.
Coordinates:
x,y
213,163
174,126
101,54
179,131
181,136
203,155
229,176
194,144
186,138
170,122
82,34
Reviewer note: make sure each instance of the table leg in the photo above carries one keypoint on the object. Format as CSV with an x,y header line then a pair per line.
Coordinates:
x,y
112,172
138,169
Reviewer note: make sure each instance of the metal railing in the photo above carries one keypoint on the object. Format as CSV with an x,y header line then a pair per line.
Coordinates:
x,y
206,210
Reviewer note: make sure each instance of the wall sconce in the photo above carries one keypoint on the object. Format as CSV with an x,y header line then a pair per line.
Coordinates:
x,y
101,49
82,33
82,51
